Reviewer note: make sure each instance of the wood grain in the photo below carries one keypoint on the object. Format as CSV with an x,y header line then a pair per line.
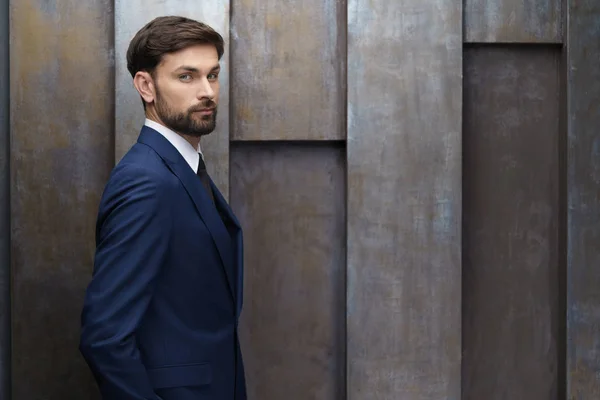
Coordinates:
x,y
61,156
289,199
510,224
129,110
289,78
4,202
513,21
583,201
404,199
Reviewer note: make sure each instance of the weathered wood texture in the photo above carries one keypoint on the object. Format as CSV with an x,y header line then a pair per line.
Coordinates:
x,y
583,191
404,199
289,79
510,214
513,21
290,199
4,204
131,16
61,154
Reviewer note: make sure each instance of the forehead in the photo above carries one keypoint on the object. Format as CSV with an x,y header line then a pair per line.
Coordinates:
x,y
201,56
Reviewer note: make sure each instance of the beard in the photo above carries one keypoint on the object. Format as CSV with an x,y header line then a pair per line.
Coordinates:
x,y
186,123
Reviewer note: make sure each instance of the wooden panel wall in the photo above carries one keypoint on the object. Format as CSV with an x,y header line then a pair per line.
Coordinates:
x,y
583,200
4,203
404,199
61,155
510,232
513,21
290,199
289,82
513,324
129,113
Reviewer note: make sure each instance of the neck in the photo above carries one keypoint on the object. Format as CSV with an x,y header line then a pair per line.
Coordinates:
x,y
193,140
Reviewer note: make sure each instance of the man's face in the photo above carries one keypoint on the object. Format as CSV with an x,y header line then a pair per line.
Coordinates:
x,y
186,90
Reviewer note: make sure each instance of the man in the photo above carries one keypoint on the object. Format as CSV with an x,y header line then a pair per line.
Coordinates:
x,y
161,312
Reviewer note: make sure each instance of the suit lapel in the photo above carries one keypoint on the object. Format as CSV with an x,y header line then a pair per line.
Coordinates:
x,y
235,231
201,199
222,205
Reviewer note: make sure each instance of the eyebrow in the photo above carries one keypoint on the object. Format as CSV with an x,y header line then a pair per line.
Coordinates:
x,y
196,70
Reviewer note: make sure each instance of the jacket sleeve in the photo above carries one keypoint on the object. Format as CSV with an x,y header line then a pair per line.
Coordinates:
x,y
132,237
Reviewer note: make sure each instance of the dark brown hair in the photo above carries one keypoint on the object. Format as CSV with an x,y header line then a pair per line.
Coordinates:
x,y
165,35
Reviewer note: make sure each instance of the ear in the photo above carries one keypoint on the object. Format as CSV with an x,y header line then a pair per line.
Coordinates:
x,y
144,84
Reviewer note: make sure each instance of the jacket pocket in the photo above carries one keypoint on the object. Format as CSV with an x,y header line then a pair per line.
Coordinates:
x,y
180,375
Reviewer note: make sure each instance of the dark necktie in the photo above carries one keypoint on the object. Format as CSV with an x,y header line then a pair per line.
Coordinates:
x,y
204,178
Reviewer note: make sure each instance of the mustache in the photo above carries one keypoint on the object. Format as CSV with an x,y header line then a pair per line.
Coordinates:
x,y
209,104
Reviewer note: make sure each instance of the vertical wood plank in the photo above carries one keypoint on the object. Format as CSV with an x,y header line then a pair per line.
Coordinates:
x,y
289,78
513,21
4,203
61,155
289,199
131,16
510,217
404,199
583,204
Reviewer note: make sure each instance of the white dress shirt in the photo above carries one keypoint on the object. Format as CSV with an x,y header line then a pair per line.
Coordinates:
x,y
191,155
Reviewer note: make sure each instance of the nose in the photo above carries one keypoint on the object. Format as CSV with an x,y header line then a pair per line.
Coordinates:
x,y
205,90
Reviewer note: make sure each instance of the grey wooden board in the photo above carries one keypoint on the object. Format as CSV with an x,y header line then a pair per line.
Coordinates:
x,y
583,201
289,199
513,21
288,80
131,16
511,299
61,156
4,203
404,199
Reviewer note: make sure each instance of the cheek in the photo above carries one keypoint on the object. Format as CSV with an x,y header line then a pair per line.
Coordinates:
x,y
216,91
177,100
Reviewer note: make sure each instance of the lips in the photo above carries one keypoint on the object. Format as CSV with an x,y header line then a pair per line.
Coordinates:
x,y
205,111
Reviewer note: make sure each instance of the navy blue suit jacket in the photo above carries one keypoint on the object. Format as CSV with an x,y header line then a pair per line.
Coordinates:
x,y
161,311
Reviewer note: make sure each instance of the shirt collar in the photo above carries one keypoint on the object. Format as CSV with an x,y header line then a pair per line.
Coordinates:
x,y
187,151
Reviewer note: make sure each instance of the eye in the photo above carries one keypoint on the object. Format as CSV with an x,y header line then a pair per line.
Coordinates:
x,y
185,77
213,76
